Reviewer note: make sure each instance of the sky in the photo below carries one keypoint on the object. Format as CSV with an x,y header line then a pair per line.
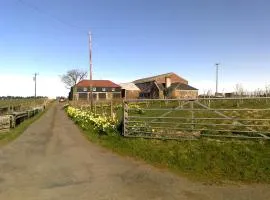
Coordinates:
x,y
134,39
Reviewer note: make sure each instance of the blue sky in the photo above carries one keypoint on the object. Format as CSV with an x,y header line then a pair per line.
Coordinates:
x,y
134,39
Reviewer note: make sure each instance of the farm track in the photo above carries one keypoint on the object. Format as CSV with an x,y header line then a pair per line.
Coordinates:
x,y
52,160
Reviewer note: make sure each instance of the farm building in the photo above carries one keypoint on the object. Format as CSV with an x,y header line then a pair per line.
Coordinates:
x,y
101,90
130,91
168,85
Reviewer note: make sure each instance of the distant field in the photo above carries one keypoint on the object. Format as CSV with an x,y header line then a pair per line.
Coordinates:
x,y
19,104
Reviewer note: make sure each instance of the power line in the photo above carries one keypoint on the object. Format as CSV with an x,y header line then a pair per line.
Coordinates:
x,y
44,12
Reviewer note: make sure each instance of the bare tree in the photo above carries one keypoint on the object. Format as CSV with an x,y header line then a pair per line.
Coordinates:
x,y
72,77
267,90
209,93
239,90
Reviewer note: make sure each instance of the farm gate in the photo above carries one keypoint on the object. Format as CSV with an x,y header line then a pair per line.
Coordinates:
x,y
246,118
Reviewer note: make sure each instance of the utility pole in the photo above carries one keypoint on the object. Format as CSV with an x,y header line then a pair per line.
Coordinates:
x,y
90,53
91,66
35,80
217,68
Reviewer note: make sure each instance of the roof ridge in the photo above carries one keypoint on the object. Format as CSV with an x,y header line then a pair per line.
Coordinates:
x,y
151,77
101,83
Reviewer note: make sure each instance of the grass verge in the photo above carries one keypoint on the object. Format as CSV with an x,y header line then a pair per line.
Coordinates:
x,y
208,160
11,135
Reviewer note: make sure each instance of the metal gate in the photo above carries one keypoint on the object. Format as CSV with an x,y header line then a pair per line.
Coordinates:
x,y
194,118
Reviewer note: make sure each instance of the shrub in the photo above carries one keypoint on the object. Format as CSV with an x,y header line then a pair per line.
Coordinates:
x,y
86,119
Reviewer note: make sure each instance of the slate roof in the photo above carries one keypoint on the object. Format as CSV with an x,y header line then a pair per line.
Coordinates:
x,y
97,83
181,86
145,88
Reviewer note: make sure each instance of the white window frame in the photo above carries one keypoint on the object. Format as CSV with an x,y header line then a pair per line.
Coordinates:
x,y
103,89
85,89
113,89
94,89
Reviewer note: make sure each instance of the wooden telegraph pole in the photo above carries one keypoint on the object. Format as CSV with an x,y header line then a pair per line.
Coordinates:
x,y
217,66
35,80
91,66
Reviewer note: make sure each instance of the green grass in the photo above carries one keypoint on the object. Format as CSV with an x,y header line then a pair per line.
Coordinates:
x,y
208,160
12,134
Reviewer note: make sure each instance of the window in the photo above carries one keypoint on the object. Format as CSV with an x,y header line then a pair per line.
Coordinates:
x,y
113,89
85,89
94,89
102,95
103,89
116,95
82,96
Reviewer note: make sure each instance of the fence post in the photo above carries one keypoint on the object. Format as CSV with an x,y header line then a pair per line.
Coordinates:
x,y
102,110
192,113
111,109
125,118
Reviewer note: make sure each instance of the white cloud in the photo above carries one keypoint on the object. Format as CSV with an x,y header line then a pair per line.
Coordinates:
x,y
23,85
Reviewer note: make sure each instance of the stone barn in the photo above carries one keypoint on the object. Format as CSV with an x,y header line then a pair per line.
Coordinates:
x,y
168,85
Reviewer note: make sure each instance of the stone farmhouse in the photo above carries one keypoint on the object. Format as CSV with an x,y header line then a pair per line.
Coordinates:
x,y
101,90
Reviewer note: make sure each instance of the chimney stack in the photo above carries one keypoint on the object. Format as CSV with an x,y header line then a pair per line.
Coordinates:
x,y
168,82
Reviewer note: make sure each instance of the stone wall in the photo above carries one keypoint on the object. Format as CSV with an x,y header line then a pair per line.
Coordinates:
x,y
132,94
4,123
179,94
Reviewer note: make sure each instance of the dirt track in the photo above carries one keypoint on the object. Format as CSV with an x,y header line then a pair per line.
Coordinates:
x,y
52,160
